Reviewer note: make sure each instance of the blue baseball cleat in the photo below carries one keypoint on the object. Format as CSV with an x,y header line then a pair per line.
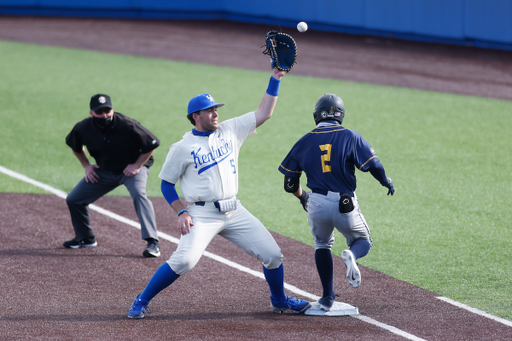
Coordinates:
x,y
287,302
138,308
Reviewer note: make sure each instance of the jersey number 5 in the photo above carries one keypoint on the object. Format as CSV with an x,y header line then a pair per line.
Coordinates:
x,y
326,157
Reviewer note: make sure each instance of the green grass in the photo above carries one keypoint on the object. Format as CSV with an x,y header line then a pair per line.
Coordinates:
x,y
446,229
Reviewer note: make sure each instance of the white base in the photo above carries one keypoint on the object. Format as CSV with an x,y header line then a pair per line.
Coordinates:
x,y
337,309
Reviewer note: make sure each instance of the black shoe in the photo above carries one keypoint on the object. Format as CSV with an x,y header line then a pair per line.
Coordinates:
x,y
152,250
76,243
327,302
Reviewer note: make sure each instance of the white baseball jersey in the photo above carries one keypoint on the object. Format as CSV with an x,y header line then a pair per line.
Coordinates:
x,y
207,166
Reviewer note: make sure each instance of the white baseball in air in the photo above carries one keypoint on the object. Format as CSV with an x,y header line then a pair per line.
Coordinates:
x,y
302,27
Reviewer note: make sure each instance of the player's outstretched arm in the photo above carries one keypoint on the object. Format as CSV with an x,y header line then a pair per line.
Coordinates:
x,y
269,100
377,170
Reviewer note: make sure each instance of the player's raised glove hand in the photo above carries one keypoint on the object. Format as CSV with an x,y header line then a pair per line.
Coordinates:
x,y
390,187
282,49
304,200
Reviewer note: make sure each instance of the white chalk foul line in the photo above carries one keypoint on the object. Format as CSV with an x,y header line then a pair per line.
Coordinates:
x,y
388,327
220,259
476,311
36,183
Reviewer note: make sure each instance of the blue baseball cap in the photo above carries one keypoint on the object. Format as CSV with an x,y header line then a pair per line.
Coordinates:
x,y
202,102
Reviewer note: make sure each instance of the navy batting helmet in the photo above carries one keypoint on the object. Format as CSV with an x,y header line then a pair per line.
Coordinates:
x,y
329,107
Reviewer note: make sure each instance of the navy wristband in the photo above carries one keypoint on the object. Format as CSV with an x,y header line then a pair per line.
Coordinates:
x,y
181,212
273,86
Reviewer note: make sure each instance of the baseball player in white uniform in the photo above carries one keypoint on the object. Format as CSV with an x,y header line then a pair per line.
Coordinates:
x,y
205,162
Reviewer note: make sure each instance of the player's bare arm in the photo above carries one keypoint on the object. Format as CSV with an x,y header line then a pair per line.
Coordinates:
x,y
184,219
134,168
90,174
268,102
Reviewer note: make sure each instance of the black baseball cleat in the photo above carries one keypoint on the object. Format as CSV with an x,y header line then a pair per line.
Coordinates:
x,y
152,250
327,302
77,243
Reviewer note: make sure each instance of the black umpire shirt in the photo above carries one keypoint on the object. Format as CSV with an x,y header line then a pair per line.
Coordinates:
x,y
116,146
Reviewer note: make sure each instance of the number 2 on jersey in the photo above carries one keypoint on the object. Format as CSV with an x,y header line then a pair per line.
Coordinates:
x,y
326,157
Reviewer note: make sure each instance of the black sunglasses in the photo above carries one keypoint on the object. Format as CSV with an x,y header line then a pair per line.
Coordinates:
x,y
103,110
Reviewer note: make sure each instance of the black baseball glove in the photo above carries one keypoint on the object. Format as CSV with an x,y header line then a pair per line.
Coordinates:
x,y
282,50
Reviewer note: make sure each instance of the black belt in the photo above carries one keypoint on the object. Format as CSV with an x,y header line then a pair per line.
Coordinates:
x,y
202,203
324,192
320,191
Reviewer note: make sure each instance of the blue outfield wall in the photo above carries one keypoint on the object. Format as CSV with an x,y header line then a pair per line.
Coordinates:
x,y
480,23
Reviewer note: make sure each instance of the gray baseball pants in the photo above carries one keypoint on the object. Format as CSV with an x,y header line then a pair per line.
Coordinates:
x,y
324,216
86,193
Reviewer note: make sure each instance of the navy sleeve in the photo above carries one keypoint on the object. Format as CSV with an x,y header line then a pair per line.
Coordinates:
x,y
364,154
290,165
377,170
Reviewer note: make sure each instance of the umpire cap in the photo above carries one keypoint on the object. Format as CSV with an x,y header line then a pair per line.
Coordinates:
x,y
100,101
202,102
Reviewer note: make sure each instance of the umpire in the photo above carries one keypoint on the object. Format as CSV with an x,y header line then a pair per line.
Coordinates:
x,y
122,149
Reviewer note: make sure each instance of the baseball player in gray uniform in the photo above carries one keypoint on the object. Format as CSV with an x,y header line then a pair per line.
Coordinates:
x,y
205,162
329,155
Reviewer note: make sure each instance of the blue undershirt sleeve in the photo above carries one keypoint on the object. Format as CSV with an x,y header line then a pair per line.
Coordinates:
x,y
169,192
377,170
